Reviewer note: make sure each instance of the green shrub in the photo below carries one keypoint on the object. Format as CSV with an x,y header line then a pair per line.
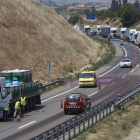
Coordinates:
x,y
117,136
92,130
135,121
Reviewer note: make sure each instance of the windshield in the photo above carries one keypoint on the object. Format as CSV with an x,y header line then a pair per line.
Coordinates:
x,y
86,75
113,31
126,60
123,31
130,34
73,99
98,28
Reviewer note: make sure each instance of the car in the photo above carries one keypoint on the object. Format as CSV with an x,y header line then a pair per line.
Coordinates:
x,y
125,62
90,33
87,79
76,102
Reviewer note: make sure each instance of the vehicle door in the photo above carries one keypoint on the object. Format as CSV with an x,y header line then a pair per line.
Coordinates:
x,y
83,100
95,80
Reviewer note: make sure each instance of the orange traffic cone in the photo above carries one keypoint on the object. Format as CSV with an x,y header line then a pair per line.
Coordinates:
x,y
134,64
61,105
99,86
134,50
131,68
131,48
18,118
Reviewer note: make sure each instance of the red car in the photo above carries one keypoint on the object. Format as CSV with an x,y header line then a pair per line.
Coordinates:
x,y
76,102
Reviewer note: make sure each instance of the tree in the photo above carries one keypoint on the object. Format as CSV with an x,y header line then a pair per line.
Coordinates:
x,y
130,15
124,2
136,4
87,11
74,19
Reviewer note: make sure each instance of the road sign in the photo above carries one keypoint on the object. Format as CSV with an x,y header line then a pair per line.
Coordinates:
x,y
49,66
91,16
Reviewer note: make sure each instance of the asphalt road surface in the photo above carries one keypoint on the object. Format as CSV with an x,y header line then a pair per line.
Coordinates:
x,y
114,80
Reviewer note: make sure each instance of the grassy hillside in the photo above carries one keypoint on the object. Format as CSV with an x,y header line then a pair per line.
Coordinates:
x,y
32,34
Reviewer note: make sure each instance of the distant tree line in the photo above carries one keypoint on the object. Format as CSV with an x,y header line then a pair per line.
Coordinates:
x,y
128,13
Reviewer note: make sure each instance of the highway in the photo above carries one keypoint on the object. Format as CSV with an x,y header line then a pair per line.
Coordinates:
x,y
114,80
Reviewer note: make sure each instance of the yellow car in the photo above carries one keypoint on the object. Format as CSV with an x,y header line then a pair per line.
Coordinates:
x,y
87,78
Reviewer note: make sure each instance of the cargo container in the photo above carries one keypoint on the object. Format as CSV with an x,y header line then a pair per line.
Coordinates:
x,y
97,29
138,40
128,34
120,33
10,94
105,31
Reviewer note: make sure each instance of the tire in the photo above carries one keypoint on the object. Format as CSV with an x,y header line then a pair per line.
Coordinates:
x,y
34,103
65,112
31,104
27,105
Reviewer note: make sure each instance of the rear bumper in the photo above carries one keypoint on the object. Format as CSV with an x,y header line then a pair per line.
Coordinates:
x,y
86,84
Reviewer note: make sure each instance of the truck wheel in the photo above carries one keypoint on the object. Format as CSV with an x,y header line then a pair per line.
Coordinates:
x,y
27,104
34,103
31,104
12,109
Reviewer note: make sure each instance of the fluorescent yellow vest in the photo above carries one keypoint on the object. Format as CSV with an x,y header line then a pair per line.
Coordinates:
x,y
23,102
6,107
17,105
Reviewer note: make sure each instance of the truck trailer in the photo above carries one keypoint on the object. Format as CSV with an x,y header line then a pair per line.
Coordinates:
x,y
105,31
128,34
97,29
9,94
120,33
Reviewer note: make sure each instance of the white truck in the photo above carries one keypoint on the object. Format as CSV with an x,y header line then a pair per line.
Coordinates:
x,y
134,36
86,28
120,33
128,34
113,32
137,38
97,29
10,94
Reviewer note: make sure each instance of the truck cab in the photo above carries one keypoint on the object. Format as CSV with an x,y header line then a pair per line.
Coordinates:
x,y
113,32
87,78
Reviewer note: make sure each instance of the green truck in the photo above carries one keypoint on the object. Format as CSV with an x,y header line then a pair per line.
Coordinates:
x,y
11,92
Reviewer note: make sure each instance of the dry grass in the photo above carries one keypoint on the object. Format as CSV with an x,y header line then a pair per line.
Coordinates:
x,y
32,34
116,126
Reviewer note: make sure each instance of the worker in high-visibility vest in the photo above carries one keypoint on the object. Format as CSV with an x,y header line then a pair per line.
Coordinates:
x,y
5,112
17,108
23,103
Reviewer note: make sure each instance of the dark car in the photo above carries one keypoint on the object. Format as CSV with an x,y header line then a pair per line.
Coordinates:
x,y
90,33
76,102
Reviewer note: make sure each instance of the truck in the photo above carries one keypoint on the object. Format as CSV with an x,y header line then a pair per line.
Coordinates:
x,y
134,36
105,31
120,33
138,40
113,32
86,28
9,94
128,34
97,29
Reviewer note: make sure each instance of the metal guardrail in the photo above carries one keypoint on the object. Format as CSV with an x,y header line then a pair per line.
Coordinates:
x,y
41,86
91,117
126,97
78,124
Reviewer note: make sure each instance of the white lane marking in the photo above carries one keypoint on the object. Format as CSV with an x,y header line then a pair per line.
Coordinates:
x,y
78,86
132,70
59,94
109,70
137,65
122,48
26,124
93,93
123,76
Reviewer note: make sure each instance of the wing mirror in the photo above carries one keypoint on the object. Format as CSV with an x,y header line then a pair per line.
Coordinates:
x,y
87,99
